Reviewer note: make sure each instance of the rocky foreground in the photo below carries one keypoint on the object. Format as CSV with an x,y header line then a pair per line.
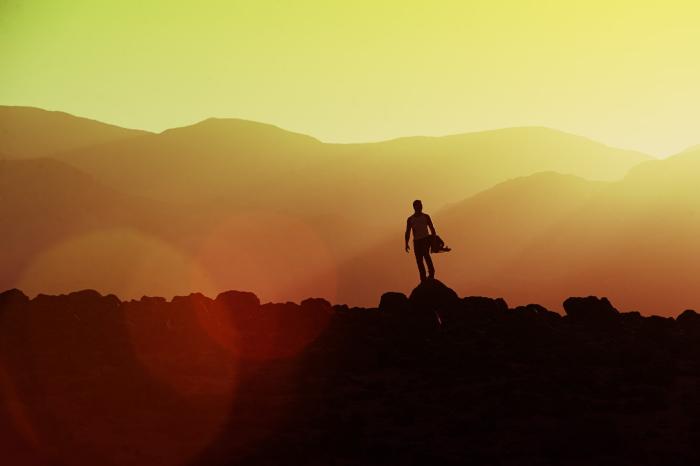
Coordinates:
x,y
428,379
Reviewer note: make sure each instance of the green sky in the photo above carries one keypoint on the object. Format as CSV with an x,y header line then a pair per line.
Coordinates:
x,y
623,72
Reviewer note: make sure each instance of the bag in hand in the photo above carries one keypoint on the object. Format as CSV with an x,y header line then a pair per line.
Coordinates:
x,y
437,245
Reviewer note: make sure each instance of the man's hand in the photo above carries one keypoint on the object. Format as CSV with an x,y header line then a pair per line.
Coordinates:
x,y
408,248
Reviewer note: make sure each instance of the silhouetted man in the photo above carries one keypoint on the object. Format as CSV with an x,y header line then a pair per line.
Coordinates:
x,y
420,223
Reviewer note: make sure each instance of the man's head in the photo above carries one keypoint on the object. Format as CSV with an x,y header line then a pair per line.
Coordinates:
x,y
418,206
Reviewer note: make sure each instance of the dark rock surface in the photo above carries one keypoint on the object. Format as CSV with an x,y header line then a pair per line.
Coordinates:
x,y
433,295
393,302
590,309
427,379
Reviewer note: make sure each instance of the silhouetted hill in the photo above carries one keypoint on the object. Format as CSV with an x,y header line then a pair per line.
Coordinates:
x,y
432,378
27,132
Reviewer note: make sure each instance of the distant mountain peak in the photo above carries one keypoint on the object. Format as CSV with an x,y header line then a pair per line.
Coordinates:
x,y
248,129
29,132
16,112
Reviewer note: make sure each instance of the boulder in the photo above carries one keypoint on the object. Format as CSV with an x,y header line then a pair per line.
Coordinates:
x,y
590,309
238,300
90,298
482,304
316,305
688,317
536,311
193,301
689,322
12,297
393,302
158,301
632,319
656,327
433,295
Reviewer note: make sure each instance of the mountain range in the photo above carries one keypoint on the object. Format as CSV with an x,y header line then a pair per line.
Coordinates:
x,y
532,214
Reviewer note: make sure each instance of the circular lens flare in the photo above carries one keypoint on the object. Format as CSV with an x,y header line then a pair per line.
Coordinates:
x,y
278,256
126,262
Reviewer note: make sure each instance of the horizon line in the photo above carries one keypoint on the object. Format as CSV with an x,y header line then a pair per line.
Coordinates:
x,y
371,141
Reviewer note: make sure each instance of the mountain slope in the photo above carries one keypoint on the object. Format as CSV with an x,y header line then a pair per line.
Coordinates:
x,y
46,204
447,165
223,157
485,232
236,201
64,230
350,193
548,236
202,162
27,132
637,242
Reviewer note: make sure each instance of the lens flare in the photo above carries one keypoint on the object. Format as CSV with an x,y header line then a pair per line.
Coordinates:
x,y
272,254
126,262
21,427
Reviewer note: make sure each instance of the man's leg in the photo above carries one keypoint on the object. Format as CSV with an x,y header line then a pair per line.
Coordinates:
x,y
418,251
429,261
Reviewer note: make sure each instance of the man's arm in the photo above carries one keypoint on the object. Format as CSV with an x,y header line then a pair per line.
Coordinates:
x,y
408,233
430,225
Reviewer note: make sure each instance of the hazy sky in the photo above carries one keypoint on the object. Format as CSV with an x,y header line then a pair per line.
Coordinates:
x,y
626,73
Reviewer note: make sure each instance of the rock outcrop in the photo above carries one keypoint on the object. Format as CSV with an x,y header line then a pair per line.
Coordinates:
x,y
431,378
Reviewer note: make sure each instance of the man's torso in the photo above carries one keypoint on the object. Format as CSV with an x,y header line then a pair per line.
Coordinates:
x,y
419,226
